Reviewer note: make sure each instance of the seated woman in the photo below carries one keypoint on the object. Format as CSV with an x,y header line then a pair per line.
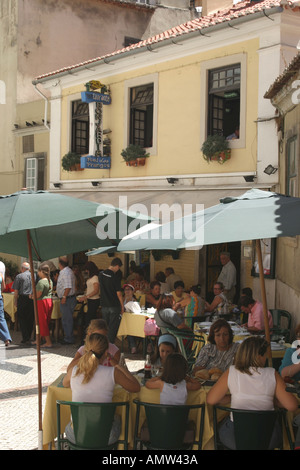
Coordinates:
x,y
290,371
172,384
193,305
153,296
98,326
166,317
220,350
178,292
252,387
219,305
91,382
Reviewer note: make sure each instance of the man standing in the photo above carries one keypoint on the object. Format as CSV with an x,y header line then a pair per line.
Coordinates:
x,y
228,275
65,289
171,278
111,299
25,311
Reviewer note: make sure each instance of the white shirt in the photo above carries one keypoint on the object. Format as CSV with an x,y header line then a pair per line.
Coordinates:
x,y
90,287
228,275
99,389
174,394
252,392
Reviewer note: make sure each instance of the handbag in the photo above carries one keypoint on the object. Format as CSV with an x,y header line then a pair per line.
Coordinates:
x,y
151,328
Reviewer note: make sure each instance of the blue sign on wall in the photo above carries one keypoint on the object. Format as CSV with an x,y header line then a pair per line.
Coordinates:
x,y
91,96
92,162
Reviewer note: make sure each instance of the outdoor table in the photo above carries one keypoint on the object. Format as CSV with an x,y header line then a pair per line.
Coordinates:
x,y
56,391
9,306
132,324
278,351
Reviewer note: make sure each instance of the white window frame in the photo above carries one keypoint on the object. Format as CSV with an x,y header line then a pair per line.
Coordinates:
x,y
136,82
33,157
205,67
28,178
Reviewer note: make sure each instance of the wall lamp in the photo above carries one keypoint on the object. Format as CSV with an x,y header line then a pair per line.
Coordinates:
x,y
96,183
270,169
57,185
249,178
172,180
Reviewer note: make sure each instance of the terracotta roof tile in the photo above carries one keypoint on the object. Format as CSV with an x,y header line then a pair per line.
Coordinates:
x,y
290,71
236,11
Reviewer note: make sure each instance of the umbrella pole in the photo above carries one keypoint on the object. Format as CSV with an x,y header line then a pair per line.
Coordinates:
x,y
264,299
38,343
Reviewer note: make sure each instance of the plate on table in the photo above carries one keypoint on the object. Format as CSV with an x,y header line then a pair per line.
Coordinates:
x,y
205,323
277,346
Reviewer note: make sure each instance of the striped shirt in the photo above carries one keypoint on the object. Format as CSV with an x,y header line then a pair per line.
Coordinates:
x,y
66,280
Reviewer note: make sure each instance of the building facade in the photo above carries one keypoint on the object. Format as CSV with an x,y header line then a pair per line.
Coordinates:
x,y
284,94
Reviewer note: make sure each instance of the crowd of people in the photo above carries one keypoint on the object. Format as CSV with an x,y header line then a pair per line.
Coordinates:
x,y
96,368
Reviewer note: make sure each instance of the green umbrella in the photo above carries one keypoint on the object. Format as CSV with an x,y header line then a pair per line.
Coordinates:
x,y
42,225
252,216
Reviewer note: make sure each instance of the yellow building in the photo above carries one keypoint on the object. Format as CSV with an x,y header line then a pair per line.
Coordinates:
x,y
168,94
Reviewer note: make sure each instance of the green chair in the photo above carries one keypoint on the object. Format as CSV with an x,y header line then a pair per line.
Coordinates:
x,y
252,429
168,427
92,423
188,344
282,321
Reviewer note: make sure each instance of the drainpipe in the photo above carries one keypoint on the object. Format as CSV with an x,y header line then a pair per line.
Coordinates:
x,y
46,106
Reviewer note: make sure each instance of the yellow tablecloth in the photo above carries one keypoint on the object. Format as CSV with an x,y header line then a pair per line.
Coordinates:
x,y
57,392
132,324
9,307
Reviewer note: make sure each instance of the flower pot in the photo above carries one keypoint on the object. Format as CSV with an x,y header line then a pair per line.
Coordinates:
x,y
78,167
224,156
141,161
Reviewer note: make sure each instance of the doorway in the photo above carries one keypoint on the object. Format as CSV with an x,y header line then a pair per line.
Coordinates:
x,y
213,266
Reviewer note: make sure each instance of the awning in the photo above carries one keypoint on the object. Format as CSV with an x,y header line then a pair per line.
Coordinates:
x,y
148,200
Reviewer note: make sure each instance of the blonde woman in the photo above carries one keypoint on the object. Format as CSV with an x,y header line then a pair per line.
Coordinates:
x,y
92,382
44,303
252,387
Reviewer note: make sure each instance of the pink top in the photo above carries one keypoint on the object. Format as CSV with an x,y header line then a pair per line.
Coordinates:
x,y
256,317
112,349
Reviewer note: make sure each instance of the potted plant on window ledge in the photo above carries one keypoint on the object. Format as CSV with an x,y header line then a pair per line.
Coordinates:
x,y
71,162
134,155
216,148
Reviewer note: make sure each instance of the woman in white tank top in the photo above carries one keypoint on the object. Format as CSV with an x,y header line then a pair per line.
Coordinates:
x,y
172,384
252,387
92,382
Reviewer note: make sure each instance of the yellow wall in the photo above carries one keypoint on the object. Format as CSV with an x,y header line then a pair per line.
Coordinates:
x,y
179,113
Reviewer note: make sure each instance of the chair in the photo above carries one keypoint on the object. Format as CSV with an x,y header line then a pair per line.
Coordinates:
x,y
282,321
92,423
189,344
167,427
252,429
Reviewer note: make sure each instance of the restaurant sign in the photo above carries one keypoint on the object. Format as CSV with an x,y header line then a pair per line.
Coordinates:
x,y
91,162
95,96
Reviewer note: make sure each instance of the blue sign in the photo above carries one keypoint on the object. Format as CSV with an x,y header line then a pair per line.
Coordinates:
x,y
91,96
91,162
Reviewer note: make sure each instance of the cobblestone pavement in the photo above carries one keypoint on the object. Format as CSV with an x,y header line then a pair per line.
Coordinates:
x,y
19,388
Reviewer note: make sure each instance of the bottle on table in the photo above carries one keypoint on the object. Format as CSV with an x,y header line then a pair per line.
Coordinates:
x,y
147,368
122,360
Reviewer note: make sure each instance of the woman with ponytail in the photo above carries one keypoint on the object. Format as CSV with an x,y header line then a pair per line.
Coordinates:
x,y
44,303
92,382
